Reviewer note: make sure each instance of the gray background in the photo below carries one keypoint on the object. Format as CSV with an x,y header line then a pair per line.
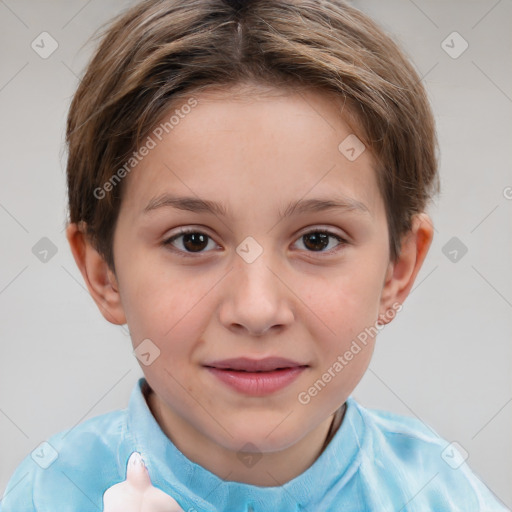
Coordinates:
x,y
447,356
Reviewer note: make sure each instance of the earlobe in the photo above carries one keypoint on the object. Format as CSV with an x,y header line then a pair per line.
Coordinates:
x,y
99,279
401,274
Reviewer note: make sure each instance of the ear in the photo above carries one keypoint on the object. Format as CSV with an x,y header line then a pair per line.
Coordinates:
x,y
100,280
401,274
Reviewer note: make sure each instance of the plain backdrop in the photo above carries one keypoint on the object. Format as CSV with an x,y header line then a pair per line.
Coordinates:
x,y
446,358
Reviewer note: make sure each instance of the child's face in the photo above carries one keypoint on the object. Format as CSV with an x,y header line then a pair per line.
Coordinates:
x,y
298,299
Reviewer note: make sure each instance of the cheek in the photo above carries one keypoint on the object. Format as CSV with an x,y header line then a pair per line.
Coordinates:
x,y
346,301
165,306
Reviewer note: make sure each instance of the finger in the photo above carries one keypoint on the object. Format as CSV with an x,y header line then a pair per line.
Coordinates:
x,y
136,472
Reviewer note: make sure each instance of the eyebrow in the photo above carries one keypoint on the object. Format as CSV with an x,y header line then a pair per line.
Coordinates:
x,y
195,204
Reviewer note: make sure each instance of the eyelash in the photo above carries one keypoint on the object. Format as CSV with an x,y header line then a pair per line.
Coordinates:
x,y
168,241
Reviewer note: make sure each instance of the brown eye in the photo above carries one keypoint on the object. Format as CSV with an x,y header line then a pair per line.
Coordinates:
x,y
195,241
316,241
191,242
319,241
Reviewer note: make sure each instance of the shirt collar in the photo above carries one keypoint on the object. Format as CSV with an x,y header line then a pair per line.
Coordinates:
x,y
194,486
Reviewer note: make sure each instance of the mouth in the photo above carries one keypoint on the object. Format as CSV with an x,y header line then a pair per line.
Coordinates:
x,y
245,364
256,377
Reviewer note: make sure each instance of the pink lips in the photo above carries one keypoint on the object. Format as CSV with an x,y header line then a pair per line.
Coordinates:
x,y
256,377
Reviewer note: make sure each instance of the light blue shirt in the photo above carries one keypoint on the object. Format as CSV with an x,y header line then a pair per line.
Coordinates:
x,y
376,461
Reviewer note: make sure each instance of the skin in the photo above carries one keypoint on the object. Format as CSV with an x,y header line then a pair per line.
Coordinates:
x,y
136,493
254,153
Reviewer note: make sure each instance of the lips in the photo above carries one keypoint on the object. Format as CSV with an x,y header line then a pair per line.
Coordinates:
x,y
256,377
245,364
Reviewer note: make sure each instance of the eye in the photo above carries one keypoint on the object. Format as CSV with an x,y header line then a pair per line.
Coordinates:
x,y
317,240
193,241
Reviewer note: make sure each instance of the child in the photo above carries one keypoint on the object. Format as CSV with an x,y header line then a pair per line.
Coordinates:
x,y
293,142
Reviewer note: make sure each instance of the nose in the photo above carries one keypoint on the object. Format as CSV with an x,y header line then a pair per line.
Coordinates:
x,y
256,300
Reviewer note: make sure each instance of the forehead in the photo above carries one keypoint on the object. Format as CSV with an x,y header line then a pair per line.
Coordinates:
x,y
236,143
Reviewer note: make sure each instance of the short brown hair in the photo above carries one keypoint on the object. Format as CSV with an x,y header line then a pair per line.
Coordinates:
x,y
159,52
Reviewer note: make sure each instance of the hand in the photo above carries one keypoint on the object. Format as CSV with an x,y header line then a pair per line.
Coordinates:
x,y
136,493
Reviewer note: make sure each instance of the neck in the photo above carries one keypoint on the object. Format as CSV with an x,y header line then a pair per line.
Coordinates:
x,y
271,469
